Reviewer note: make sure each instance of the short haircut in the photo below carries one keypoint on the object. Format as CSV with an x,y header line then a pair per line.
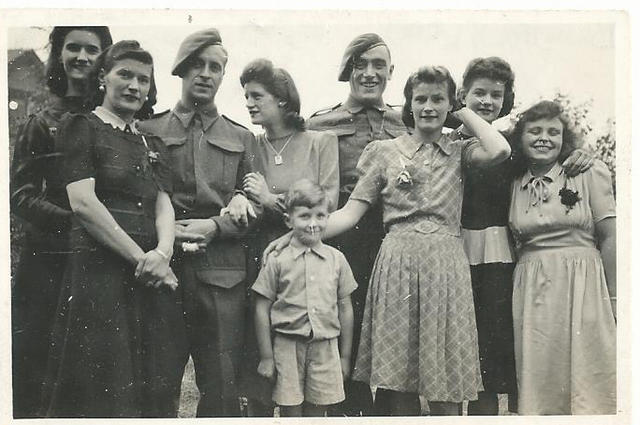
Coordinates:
x,y
305,193
279,83
496,69
428,75
545,109
56,76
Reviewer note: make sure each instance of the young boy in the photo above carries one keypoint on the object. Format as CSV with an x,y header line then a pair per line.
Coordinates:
x,y
305,299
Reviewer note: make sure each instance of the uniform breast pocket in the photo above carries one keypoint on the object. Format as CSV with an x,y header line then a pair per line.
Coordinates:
x,y
221,166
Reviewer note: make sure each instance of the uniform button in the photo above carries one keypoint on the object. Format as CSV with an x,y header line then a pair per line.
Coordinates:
x,y
139,204
138,168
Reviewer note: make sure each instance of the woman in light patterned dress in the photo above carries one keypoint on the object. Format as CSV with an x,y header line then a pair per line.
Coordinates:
x,y
564,287
419,333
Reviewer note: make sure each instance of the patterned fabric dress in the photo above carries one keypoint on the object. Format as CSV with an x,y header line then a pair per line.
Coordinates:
x,y
419,331
565,332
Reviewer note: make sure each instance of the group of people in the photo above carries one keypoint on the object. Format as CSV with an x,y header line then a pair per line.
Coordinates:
x,y
459,264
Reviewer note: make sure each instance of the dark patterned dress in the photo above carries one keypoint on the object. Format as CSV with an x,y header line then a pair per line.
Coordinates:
x,y
115,342
419,331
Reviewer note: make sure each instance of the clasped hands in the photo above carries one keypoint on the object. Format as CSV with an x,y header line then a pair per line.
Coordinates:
x,y
153,270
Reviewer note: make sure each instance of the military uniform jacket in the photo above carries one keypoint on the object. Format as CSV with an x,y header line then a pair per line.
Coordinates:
x,y
356,126
208,155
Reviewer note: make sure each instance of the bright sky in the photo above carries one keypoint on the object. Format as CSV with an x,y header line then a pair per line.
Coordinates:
x,y
571,53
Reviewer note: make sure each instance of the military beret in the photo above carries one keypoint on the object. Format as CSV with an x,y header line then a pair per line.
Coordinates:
x,y
358,46
193,42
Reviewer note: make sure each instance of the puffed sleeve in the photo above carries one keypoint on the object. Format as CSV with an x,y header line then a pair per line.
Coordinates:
x,y
468,147
33,157
371,178
267,282
328,173
601,199
346,282
77,139
162,168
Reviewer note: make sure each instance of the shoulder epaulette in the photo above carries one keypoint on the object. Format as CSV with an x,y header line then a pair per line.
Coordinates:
x,y
325,111
234,123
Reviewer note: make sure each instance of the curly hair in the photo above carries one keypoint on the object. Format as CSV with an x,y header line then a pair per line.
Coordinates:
x,y
54,70
428,75
545,109
125,49
493,68
305,193
279,83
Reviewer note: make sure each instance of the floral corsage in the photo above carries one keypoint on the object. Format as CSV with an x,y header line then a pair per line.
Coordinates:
x,y
153,157
404,178
569,198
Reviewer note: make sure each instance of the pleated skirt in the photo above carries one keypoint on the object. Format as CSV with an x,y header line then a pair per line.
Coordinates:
x,y
419,331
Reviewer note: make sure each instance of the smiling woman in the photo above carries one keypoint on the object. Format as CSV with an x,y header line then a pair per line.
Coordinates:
x,y
38,196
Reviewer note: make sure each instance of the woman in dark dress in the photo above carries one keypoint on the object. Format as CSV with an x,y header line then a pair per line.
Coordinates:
x,y
39,198
116,340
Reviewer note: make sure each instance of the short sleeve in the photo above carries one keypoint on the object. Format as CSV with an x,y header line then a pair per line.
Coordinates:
x,y
599,184
346,282
267,282
76,139
371,174
162,170
468,147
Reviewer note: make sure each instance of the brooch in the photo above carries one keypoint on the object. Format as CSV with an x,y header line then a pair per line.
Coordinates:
x,y
153,156
404,178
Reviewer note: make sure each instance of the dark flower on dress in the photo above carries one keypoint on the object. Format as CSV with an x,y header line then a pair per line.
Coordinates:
x,y
569,198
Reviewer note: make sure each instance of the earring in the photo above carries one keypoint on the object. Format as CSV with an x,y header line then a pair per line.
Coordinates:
x,y
101,88
281,104
146,98
411,113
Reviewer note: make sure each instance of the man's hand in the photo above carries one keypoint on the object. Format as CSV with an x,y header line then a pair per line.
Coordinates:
x,y
240,210
578,162
277,246
152,268
267,369
200,230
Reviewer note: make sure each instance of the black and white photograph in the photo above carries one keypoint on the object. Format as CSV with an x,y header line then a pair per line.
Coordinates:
x,y
365,216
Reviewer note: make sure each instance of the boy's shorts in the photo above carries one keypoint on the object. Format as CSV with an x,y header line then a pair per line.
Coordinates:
x,y
307,371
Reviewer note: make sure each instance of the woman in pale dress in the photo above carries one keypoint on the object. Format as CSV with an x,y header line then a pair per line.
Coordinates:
x,y
282,155
419,333
565,279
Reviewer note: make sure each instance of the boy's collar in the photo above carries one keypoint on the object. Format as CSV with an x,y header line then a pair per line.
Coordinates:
x,y
299,248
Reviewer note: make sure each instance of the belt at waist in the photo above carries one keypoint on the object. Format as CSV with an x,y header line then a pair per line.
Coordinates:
x,y
424,226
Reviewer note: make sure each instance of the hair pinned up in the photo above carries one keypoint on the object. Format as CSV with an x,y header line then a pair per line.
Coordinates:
x,y
279,83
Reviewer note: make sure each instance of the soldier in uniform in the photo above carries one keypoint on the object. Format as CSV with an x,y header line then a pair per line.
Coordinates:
x,y
207,152
362,118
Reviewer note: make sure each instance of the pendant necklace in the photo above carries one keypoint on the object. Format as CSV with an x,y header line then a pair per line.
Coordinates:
x,y
278,154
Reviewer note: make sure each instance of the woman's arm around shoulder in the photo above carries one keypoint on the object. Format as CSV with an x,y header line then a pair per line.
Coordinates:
x,y
492,148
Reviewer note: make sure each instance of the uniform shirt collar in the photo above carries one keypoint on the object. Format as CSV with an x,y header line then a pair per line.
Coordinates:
x,y
297,249
115,121
185,115
550,176
353,106
409,145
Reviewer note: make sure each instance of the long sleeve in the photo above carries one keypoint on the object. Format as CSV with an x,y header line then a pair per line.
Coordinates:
x,y
33,159
328,166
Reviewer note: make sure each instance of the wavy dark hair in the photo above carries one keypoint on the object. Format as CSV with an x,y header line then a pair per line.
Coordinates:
x,y
279,83
545,109
54,70
125,49
428,75
493,68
